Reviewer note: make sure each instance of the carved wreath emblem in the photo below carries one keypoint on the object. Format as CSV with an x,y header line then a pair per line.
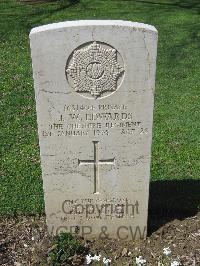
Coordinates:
x,y
94,69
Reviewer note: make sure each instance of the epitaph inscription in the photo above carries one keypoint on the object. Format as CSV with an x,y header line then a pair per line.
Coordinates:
x,y
94,120
94,70
94,90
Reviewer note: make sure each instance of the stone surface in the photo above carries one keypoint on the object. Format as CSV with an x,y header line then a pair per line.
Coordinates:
x,y
94,90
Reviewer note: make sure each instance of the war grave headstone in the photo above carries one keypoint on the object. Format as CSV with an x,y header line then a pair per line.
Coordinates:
x,y
94,91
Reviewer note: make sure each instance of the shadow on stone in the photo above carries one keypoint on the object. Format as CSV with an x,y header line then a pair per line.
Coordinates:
x,y
169,200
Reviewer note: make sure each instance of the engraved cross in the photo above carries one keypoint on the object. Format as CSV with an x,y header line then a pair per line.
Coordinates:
x,y
96,162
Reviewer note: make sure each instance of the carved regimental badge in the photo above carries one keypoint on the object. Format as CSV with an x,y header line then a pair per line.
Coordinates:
x,y
95,70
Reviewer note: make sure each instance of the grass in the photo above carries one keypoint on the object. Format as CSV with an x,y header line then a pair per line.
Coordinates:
x,y
175,154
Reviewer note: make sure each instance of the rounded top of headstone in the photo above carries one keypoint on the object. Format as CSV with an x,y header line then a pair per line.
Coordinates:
x,y
79,23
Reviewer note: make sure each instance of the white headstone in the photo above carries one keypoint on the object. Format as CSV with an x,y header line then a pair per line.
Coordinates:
x,y
94,90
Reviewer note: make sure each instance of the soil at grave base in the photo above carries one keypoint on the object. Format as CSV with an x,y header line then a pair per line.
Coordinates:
x,y
25,241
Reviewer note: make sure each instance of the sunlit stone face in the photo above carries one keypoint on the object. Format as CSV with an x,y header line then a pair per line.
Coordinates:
x,y
94,89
